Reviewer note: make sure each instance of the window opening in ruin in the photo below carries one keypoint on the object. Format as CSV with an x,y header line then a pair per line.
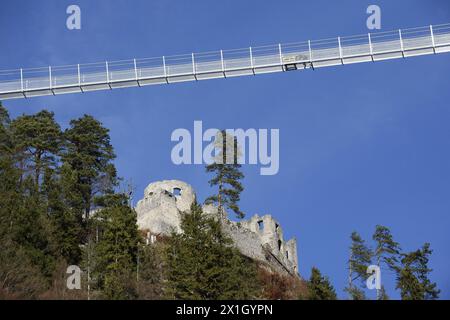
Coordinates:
x,y
279,244
287,255
176,191
260,225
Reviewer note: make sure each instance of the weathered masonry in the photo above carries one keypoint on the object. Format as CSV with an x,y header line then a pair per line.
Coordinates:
x,y
260,237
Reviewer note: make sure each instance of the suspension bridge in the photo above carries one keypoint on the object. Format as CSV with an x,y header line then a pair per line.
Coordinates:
x,y
371,47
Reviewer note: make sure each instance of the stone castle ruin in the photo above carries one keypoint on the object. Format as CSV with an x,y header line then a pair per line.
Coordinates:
x,y
260,237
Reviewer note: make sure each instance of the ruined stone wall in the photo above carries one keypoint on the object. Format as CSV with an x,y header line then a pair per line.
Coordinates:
x,y
260,237
270,235
159,211
183,200
248,243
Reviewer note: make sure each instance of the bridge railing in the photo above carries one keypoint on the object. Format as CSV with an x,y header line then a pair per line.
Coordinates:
x,y
26,82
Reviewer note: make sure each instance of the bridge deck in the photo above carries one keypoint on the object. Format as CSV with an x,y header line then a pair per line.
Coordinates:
x,y
24,83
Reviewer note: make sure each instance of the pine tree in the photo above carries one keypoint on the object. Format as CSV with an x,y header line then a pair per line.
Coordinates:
x,y
413,276
5,134
88,157
45,204
23,220
74,206
115,253
203,265
355,293
227,172
360,259
383,294
19,276
66,230
87,173
37,138
386,251
320,287
151,267
9,174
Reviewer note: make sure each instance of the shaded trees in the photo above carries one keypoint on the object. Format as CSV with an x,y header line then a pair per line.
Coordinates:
x,y
320,287
45,201
87,160
386,253
37,142
202,264
115,252
413,275
150,268
360,258
411,268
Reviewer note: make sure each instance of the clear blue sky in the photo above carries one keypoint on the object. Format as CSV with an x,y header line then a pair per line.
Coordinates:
x,y
360,145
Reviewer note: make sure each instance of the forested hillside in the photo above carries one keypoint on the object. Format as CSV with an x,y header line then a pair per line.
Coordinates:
x,y
61,204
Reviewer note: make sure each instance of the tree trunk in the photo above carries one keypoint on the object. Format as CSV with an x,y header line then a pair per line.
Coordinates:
x,y
219,199
350,281
379,266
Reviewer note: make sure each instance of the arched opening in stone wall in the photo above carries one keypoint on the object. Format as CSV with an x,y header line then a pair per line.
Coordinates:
x,y
279,245
287,255
176,191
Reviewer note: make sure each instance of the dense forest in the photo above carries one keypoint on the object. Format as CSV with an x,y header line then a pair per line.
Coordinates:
x,y
61,204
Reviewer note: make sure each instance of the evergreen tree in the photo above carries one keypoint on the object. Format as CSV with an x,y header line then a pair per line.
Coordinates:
x,y
65,229
227,172
383,294
320,287
87,173
20,278
74,219
150,271
413,276
45,205
23,219
203,265
5,136
355,293
115,253
360,259
386,251
88,158
37,139
9,175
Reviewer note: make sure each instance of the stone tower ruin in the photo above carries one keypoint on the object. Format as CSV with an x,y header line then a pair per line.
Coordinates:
x,y
260,237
